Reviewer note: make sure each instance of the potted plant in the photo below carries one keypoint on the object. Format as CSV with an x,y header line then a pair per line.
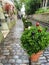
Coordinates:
x,y
35,40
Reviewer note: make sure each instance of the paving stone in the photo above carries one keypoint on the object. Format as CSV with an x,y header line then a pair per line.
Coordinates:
x,y
11,60
24,57
8,47
47,57
42,58
42,64
35,63
25,61
13,51
17,64
6,53
47,64
0,61
25,54
48,48
42,61
15,57
19,61
24,64
1,64
48,60
46,54
19,53
7,64
4,48
4,61
2,57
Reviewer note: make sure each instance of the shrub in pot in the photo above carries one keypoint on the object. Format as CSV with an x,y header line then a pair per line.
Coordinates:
x,y
35,39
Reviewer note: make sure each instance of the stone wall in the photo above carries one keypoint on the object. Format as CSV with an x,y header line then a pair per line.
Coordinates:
x,y
41,17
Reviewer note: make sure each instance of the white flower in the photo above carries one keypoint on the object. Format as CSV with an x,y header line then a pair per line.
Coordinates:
x,y
29,28
26,21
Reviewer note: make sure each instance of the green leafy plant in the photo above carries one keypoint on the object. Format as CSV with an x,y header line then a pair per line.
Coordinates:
x,y
17,5
41,10
35,39
31,6
26,22
24,19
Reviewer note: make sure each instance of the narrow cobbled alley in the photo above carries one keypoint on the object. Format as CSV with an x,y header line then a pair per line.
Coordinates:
x,y
11,52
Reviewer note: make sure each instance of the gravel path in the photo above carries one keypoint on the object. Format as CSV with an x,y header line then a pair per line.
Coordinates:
x,y
11,52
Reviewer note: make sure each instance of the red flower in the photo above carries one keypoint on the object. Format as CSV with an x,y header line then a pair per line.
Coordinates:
x,y
37,23
7,7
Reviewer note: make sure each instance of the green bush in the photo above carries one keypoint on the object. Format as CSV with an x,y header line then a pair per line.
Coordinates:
x,y
35,39
26,22
41,10
31,6
24,19
17,5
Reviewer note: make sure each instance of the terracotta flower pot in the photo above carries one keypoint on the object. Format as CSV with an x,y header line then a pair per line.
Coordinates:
x,y
35,57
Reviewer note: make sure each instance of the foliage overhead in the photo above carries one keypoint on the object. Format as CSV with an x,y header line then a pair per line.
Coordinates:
x,y
32,5
41,10
17,4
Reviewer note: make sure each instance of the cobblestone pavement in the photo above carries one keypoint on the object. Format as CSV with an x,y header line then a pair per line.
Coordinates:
x,y
11,52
